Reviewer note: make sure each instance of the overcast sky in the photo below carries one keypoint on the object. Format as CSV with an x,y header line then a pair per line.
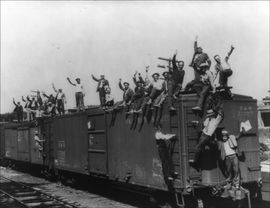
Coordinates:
x,y
44,42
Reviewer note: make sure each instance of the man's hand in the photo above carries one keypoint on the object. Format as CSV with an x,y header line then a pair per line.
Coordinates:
x,y
196,37
147,68
232,47
120,80
68,78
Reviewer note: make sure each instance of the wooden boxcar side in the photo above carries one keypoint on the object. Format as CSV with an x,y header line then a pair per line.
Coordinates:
x,y
69,137
240,109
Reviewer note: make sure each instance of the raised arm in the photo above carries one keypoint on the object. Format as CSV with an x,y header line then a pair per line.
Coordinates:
x,y
134,80
208,61
174,62
94,78
70,81
196,44
211,80
230,52
14,102
54,88
45,95
23,99
120,85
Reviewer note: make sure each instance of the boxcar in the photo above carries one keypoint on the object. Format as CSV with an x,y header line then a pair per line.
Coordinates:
x,y
122,148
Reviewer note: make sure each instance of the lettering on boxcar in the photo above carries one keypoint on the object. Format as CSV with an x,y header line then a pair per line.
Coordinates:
x,y
140,172
91,140
7,153
61,153
61,156
157,170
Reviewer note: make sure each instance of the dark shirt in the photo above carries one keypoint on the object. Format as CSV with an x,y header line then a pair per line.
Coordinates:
x,y
200,59
128,93
177,75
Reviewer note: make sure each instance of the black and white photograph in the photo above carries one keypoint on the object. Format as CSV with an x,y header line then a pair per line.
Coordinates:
x,y
134,104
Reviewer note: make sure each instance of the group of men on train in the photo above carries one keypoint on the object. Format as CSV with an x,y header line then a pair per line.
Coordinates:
x,y
151,94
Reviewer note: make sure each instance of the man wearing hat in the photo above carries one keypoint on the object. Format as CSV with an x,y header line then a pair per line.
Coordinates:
x,y
178,74
60,100
213,119
102,83
167,93
18,110
228,146
223,69
138,96
157,86
128,92
200,60
79,95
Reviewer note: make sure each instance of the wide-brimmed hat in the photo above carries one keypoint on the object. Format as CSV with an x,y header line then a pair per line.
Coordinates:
x,y
165,73
77,79
155,74
204,65
224,132
210,112
125,83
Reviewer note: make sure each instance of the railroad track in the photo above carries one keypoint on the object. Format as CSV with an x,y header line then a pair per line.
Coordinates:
x,y
25,196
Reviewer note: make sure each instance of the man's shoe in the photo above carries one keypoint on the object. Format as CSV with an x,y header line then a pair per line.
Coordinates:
x,y
172,109
197,108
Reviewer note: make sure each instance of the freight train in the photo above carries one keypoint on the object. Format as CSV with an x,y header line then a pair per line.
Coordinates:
x,y
122,149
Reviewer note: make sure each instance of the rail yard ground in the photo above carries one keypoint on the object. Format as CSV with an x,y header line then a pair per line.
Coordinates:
x,y
82,198
91,198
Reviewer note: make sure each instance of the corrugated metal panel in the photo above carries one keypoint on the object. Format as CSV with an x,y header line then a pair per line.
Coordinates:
x,y
70,142
23,145
11,146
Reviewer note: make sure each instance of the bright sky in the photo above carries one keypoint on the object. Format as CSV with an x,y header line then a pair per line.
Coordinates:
x,y
44,42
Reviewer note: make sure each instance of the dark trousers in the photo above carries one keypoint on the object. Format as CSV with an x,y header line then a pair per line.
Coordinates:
x,y
138,102
109,103
102,95
79,101
190,85
205,89
232,168
165,151
198,149
20,116
223,77
60,106
155,93
171,89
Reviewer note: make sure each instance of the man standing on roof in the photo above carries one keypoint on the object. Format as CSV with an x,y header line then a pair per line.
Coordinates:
x,y
178,74
18,110
102,83
199,61
79,95
60,100
223,69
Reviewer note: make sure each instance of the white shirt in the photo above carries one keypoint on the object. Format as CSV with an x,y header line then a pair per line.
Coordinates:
x,y
211,124
79,87
158,84
228,148
160,135
109,97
